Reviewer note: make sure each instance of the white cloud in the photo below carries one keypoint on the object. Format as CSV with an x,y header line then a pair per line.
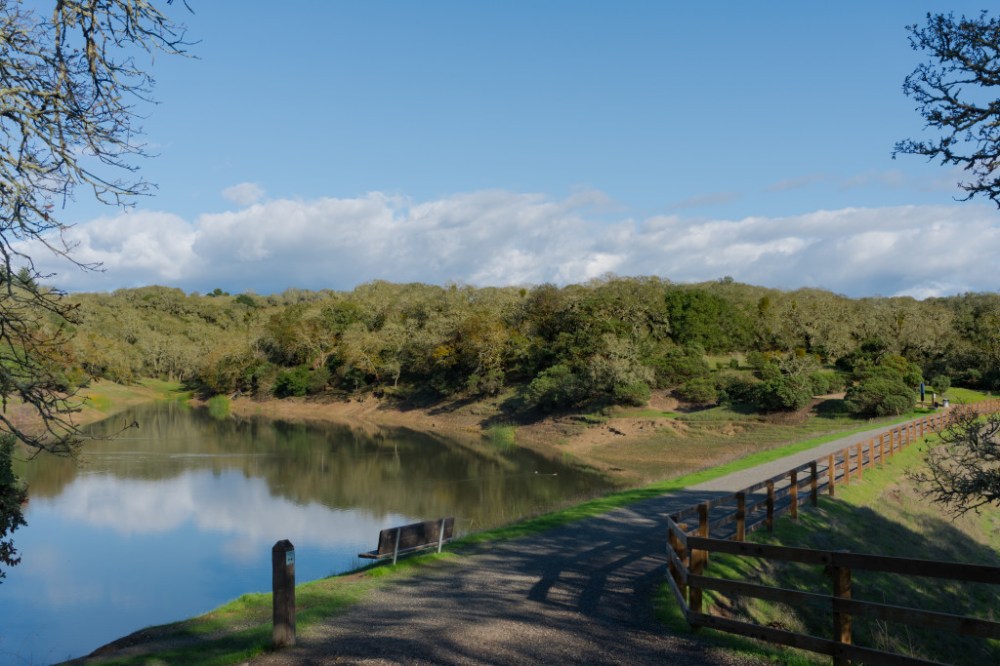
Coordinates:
x,y
501,238
242,508
244,194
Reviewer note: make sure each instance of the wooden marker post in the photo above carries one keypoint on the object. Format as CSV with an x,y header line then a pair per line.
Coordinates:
x,y
283,588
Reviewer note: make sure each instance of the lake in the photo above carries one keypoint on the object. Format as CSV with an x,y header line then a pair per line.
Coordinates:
x,y
171,519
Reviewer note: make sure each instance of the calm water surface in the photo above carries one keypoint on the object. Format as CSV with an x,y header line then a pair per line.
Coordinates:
x,y
175,517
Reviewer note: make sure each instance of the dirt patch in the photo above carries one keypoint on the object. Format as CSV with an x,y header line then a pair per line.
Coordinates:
x,y
362,413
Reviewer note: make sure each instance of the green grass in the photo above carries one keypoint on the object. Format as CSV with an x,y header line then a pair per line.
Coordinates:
x,y
106,397
502,436
645,414
959,395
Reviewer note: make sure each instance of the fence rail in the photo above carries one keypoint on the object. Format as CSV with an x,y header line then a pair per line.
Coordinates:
x,y
690,541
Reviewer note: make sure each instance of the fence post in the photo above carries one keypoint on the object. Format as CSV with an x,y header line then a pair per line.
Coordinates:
x,y
793,492
283,593
770,506
861,461
847,466
881,449
841,619
699,558
831,472
741,516
681,552
814,481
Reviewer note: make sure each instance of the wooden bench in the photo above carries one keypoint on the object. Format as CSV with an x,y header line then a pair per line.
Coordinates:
x,y
396,541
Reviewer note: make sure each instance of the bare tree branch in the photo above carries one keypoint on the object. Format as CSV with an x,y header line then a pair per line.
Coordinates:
x,y
963,469
955,93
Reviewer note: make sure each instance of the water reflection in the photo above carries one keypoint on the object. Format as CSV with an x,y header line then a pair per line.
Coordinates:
x,y
179,515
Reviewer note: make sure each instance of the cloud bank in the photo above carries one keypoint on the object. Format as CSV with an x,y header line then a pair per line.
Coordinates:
x,y
504,238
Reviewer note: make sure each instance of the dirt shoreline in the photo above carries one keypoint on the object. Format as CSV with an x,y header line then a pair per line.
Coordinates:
x,y
571,437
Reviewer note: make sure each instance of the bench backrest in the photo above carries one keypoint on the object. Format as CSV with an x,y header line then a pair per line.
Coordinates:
x,y
414,536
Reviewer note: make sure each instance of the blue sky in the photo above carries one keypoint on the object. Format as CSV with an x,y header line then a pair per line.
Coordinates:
x,y
325,144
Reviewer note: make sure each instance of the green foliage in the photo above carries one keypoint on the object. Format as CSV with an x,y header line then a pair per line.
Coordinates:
x,y
502,435
600,343
699,317
247,300
300,381
783,393
558,387
941,383
880,395
738,387
883,385
676,365
700,390
635,394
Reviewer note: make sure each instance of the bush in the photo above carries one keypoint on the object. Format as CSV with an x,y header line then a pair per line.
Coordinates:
x,y
738,387
700,390
489,383
557,387
880,396
301,380
941,383
783,394
820,383
679,364
636,394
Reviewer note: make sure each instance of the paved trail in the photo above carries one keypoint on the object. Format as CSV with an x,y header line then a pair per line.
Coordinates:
x,y
579,594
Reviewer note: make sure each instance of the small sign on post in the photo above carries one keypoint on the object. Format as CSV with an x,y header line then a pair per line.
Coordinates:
x,y
283,592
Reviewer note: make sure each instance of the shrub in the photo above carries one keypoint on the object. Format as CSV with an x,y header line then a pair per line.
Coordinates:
x,y
700,390
301,380
555,388
635,394
738,387
679,364
880,396
784,394
941,383
819,382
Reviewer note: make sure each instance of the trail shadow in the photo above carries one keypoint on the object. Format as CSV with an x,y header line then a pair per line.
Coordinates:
x,y
579,593
871,533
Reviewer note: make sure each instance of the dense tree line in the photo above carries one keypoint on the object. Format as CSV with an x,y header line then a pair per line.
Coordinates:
x,y
546,348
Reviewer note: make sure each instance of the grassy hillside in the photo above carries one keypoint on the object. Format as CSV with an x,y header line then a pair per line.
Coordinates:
x,y
886,514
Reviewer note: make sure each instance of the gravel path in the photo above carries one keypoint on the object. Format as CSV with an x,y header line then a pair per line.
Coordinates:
x,y
578,594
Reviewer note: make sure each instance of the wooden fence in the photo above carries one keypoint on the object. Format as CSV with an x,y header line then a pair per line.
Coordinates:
x,y
690,540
